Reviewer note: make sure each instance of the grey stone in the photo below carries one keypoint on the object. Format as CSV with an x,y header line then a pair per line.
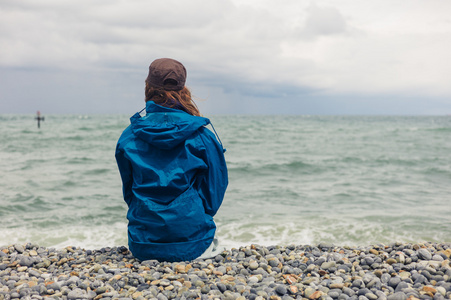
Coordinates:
x,y
375,283
274,262
308,292
358,283
26,261
424,254
281,289
328,265
162,297
101,290
34,273
397,296
348,291
91,294
437,257
371,296
54,286
19,248
221,287
325,246
363,291
401,286
334,294
320,261
253,265
77,294
25,292
394,281
385,278
205,289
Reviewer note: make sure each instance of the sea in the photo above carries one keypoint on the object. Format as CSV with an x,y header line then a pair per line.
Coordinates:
x,y
293,179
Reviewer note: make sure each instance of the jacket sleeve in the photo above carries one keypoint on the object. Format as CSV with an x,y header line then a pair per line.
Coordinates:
x,y
125,169
214,183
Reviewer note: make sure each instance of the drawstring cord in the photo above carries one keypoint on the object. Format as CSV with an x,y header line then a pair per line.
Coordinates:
x,y
217,136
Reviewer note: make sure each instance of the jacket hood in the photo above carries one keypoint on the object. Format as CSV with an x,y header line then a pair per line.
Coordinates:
x,y
165,127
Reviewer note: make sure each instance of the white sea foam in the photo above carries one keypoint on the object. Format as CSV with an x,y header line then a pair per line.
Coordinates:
x,y
92,237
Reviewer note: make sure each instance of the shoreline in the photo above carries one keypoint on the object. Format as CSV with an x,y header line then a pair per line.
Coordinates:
x,y
397,271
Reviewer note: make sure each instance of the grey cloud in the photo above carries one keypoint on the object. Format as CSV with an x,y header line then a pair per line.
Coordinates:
x,y
323,21
161,14
252,87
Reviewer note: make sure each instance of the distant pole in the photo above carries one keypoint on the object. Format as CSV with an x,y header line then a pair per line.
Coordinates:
x,y
39,118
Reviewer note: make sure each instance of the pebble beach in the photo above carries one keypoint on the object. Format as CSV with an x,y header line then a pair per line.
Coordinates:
x,y
397,271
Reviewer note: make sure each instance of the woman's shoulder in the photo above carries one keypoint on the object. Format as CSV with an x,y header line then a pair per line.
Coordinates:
x,y
209,138
126,136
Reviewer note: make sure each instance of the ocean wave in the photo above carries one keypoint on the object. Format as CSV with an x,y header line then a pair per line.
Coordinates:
x,y
80,160
440,129
297,167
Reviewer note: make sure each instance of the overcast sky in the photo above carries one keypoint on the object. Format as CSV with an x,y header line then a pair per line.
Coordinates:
x,y
242,56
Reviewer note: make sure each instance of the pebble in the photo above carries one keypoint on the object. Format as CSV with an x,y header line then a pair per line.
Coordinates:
x,y
19,248
397,296
253,265
424,254
326,272
281,290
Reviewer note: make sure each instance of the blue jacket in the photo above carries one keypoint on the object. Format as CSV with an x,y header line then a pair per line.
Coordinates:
x,y
174,179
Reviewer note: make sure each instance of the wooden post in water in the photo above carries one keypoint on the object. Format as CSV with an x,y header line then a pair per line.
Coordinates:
x,y
39,118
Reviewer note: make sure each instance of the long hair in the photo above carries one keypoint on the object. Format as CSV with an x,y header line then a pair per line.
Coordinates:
x,y
173,99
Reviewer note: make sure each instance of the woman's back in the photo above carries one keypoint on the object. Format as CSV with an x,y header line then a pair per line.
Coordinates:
x,y
174,179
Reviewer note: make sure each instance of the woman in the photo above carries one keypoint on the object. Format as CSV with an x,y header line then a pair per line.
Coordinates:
x,y
173,171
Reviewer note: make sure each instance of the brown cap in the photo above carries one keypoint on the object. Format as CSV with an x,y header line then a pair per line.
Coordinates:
x,y
166,73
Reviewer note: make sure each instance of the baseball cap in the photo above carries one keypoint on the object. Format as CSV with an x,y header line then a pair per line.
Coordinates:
x,y
166,73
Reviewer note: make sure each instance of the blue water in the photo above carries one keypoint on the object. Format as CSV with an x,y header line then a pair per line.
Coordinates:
x,y
347,180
